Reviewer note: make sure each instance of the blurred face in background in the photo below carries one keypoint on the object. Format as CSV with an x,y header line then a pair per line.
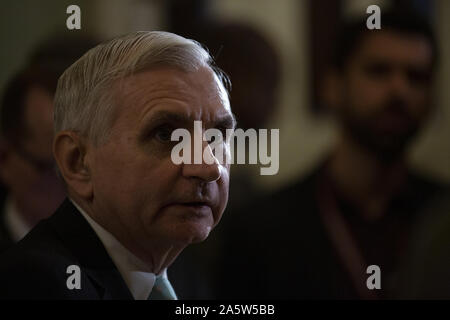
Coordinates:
x,y
28,167
383,94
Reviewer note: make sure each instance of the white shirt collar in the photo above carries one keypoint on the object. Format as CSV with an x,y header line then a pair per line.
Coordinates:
x,y
136,274
14,222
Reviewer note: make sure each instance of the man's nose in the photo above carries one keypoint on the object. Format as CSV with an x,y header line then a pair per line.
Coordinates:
x,y
205,171
400,84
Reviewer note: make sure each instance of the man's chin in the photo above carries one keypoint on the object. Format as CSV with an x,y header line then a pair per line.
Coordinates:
x,y
188,225
386,146
197,231
390,147
188,231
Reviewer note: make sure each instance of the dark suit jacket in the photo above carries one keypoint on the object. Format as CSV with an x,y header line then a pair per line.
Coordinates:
x,y
36,267
6,240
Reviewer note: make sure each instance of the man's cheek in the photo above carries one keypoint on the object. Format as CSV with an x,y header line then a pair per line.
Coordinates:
x,y
223,196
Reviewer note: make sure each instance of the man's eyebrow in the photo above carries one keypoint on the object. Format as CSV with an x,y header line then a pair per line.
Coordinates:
x,y
167,116
227,121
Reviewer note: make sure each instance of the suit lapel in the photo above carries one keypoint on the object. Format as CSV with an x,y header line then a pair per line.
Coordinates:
x,y
81,240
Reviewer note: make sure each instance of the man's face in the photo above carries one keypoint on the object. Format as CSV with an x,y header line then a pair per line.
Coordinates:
x,y
138,192
385,91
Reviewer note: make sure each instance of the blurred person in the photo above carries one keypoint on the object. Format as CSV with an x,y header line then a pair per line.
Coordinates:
x,y
27,168
130,210
316,238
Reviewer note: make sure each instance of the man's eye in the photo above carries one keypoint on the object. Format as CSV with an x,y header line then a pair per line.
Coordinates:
x,y
163,134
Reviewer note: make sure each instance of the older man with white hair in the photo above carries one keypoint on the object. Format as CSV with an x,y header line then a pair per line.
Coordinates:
x,y
129,210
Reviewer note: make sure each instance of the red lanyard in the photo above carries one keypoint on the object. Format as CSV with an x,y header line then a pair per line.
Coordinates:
x,y
339,233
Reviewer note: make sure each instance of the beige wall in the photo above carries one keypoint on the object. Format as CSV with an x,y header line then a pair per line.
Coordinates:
x,y
432,153
116,17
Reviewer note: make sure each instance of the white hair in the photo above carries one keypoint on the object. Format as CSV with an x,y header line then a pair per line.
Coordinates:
x,y
83,99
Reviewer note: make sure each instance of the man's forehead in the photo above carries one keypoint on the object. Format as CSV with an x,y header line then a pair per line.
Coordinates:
x,y
172,83
197,95
169,78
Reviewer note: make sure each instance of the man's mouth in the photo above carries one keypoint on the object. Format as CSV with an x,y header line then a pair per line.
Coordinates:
x,y
192,209
195,204
197,208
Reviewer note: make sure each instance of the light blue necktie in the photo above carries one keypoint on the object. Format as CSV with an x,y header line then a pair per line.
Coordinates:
x,y
162,290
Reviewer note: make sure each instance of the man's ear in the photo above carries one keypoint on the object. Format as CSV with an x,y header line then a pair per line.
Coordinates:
x,y
70,151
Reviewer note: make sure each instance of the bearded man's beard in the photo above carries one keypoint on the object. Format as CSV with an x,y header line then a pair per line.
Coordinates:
x,y
386,144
